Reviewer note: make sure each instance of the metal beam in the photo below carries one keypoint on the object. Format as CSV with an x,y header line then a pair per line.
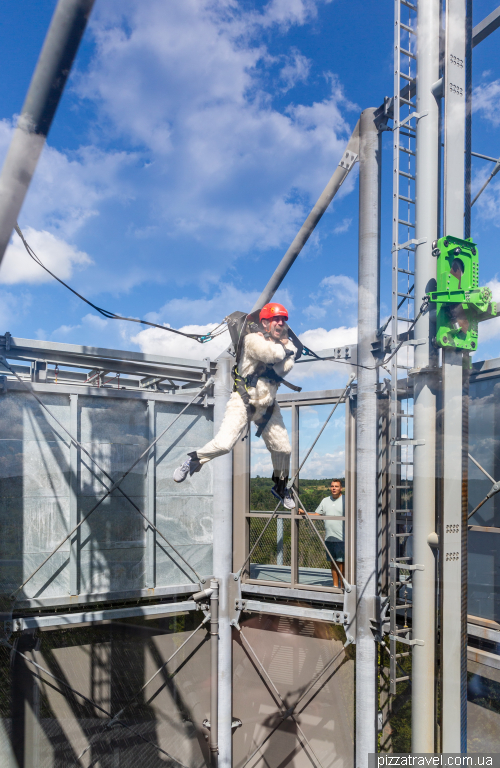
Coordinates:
x,y
46,88
424,430
366,482
453,555
91,617
346,163
485,27
223,559
296,612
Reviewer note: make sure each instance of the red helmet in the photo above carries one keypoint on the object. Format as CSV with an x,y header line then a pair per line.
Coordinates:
x,y
270,311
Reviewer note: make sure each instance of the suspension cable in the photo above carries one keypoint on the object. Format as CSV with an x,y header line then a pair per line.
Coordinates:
x,y
202,338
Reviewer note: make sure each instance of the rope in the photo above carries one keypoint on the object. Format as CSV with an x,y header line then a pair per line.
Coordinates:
x,y
423,308
111,489
85,698
202,338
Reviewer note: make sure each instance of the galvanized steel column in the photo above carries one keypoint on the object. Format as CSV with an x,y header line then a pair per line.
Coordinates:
x,y
222,563
366,480
46,87
453,555
425,381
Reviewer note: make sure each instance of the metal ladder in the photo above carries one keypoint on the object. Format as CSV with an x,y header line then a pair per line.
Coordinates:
x,y
402,315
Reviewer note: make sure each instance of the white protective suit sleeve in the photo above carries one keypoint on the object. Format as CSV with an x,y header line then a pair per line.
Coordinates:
x,y
257,350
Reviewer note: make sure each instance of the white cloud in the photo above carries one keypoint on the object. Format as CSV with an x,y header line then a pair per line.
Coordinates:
x,y
57,255
69,188
157,342
295,70
338,295
343,227
486,101
13,306
187,82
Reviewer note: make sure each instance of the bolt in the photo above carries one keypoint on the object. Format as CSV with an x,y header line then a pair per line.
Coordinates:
x,y
446,243
457,251
445,339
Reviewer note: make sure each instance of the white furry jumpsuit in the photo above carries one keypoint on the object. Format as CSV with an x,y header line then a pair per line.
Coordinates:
x,y
257,350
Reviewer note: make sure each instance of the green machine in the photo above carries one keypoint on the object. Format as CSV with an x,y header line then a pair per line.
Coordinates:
x,y
460,303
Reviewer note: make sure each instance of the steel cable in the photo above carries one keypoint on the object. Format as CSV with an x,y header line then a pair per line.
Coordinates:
x,y
202,338
112,488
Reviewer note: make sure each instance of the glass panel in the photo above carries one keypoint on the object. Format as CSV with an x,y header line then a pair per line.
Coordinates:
x,y
41,718
327,461
261,468
271,560
295,654
314,563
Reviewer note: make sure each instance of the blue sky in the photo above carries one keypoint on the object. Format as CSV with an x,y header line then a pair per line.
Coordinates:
x,y
190,144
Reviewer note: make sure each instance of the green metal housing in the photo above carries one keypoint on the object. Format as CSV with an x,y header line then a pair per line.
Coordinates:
x,y
460,303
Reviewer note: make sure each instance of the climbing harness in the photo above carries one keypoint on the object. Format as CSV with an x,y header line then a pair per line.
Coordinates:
x,y
239,325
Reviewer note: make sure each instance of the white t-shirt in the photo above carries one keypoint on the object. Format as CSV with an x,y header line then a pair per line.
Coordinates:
x,y
334,529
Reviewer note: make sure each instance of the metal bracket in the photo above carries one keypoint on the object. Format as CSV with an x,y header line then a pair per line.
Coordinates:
x,y
407,567
348,159
407,119
404,640
407,441
350,605
423,369
414,343
408,243
235,601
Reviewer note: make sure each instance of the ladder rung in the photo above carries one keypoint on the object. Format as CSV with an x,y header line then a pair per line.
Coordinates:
x,y
405,606
406,295
406,199
408,29
412,56
402,535
408,151
410,135
402,655
406,464
405,271
403,631
410,103
406,223
401,679
407,175
409,5
407,77
400,559
405,415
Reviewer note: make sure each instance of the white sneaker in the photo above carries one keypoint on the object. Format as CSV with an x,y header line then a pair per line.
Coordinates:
x,y
182,472
288,501
285,497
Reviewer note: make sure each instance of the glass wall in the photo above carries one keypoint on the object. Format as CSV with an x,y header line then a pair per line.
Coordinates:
x,y
297,547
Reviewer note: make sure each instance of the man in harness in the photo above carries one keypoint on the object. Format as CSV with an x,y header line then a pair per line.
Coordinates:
x,y
266,357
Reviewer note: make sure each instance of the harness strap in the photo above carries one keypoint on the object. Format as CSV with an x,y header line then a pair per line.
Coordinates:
x,y
264,420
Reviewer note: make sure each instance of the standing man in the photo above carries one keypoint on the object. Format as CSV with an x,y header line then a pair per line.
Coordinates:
x,y
334,506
